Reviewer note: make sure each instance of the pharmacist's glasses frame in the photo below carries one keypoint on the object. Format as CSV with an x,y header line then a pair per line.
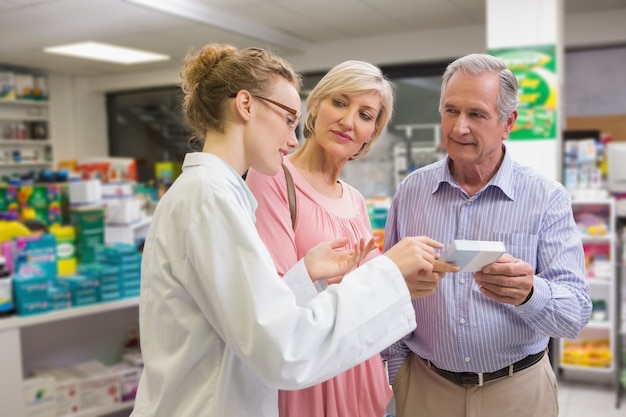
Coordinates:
x,y
296,113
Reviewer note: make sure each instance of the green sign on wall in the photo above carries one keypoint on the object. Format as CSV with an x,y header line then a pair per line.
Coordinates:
x,y
535,70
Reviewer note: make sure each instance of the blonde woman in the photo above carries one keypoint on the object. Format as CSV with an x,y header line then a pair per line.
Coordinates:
x,y
346,114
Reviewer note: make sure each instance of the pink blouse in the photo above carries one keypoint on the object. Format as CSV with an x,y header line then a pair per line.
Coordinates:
x,y
362,391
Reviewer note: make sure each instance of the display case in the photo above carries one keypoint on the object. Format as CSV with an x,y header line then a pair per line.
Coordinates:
x,y
25,142
60,338
592,355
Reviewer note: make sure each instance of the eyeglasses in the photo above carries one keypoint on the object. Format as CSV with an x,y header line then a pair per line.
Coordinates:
x,y
292,123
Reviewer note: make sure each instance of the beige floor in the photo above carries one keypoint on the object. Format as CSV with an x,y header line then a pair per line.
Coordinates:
x,y
589,400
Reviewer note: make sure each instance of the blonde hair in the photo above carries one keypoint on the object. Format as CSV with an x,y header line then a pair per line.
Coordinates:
x,y
351,77
216,73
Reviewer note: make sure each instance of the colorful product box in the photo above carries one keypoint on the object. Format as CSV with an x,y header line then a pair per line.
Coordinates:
x,y
30,288
7,85
60,297
66,248
129,378
24,85
67,390
28,308
36,256
41,90
44,201
89,225
84,290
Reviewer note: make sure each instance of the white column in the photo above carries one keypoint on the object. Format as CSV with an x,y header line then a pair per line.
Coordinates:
x,y
512,24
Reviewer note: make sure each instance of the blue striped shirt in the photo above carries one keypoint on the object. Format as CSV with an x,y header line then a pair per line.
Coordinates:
x,y
460,329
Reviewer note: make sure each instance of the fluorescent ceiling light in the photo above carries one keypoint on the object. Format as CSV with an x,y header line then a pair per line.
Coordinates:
x,y
194,10
108,53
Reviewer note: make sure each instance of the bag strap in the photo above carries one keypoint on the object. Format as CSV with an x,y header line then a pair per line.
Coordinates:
x,y
291,196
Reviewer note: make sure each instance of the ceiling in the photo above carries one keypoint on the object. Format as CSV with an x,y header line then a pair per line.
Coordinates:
x,y
27,26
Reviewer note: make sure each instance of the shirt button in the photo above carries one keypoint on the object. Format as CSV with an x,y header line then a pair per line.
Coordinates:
x,y
468,203
462,280
467,359
462,321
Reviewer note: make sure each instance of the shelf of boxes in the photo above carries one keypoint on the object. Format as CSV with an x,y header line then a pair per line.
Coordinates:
x,y
27,344
593,353
24,135
18,322
46,340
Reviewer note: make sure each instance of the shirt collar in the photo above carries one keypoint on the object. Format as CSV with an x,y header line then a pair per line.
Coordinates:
x,y
204,158
503,179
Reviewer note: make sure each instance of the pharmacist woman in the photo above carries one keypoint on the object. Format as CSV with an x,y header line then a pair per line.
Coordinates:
x,y
221,332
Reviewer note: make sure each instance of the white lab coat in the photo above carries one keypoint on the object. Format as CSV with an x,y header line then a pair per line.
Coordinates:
x,y
221,331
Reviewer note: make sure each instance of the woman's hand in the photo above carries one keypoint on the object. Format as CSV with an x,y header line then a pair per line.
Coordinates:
x,y
417,261
331,261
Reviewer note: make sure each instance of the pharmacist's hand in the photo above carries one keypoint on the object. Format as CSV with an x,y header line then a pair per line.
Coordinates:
x,y
331,260
415,257
507,280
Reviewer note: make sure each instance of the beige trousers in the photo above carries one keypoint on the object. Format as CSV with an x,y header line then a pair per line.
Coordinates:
x,y
420,392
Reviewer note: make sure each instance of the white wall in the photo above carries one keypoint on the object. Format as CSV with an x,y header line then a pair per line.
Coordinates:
x,y
79,126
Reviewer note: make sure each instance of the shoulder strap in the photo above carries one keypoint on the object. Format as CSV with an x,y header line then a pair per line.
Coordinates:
x,y
291,196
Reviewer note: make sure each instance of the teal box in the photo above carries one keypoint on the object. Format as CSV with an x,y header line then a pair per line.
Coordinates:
x,y
110,291
84,300
36,255
110,271
115,253
27,308
30,288
85,290
130,276
110,296
60,305
91,270
110,287
128,292
131,283
110,280
58,293
79,282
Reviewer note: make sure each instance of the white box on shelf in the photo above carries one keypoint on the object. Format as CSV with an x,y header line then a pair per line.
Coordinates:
x,y
98,385
122,211
473,255
66,390
129,379
40,396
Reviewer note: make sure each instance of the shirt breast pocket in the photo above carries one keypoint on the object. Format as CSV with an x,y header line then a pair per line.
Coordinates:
x,y
520,246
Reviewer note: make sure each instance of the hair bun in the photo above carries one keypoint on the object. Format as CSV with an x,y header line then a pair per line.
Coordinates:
x,y
199,65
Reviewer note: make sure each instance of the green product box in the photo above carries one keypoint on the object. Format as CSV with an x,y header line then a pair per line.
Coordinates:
x,y
43,201
89,225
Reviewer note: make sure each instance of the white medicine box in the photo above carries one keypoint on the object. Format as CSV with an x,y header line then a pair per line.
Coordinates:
x,y
473,255
39,396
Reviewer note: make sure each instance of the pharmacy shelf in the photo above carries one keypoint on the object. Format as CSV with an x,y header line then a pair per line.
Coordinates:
x,y
597,222
595,282
24,164
26,103
20,336
15,322
19,153
25,142
606,325
103,411
592,369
